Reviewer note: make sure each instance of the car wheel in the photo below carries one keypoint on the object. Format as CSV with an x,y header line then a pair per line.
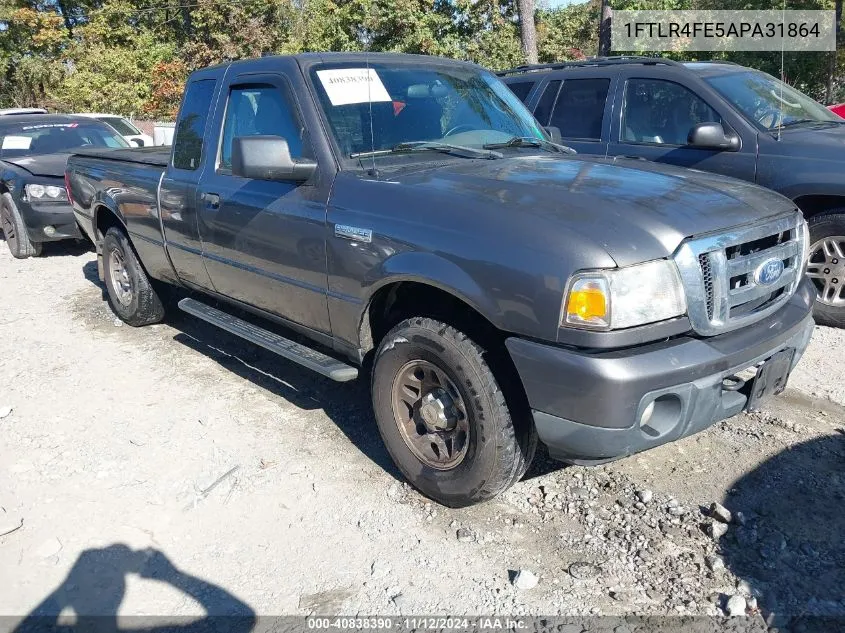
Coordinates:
x,y
14,230
443,416
826,267
131,295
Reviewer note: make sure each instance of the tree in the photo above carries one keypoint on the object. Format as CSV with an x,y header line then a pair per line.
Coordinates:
x,y
527,30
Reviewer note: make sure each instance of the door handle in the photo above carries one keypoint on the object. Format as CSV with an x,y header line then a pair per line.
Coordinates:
x,y
212,200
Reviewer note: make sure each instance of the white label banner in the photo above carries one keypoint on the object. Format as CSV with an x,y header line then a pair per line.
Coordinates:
x,y
352,85
679,31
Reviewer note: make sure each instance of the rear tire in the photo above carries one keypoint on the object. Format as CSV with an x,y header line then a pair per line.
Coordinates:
x,y
826,267
130,293
14,230
443,416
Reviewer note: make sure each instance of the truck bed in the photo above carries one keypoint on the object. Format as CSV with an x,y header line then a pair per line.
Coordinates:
x,y
157,156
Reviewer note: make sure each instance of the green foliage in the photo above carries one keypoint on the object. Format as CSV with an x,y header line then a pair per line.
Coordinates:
x,y
132,56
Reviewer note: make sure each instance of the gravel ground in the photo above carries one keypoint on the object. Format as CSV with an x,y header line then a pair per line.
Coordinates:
x,y
175,469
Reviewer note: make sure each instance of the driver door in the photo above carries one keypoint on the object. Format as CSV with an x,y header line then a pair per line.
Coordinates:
x,y
654,116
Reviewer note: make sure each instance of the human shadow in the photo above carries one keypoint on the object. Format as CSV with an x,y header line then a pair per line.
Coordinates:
x,y
95,586
790,548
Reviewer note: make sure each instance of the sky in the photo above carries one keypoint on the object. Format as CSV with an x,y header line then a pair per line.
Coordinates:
x,y
553,4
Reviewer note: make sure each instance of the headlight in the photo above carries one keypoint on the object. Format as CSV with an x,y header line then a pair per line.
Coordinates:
x,y
49,193
624,297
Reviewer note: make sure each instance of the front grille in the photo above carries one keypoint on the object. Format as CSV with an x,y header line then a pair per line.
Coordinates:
x,y
723,274
707,278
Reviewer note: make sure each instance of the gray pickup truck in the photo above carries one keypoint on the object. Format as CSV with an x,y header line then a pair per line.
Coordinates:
x,y
409,216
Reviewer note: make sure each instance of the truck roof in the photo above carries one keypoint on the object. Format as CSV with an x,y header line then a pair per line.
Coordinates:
x,y
305,60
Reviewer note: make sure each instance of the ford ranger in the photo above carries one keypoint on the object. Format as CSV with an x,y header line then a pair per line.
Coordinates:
x,y
408,216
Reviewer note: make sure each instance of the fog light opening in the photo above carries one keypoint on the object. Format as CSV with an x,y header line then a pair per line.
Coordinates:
x,y
49,231
661,415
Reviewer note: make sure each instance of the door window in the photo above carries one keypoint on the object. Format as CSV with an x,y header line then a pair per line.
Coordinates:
x,y
662,112
187,144
521,89
544,107
255,110
579,110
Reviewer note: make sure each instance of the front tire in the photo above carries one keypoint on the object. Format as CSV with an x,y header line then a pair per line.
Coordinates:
x,y
826,267
130,293
443,416
14,230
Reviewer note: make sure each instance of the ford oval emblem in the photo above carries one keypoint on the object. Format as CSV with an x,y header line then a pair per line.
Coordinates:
x,y
768,272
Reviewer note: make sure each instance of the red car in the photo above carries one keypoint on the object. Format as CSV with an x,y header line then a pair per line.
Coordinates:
x,y
838,109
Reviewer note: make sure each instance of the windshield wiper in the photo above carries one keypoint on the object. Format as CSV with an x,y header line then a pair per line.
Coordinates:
x,y
797,122
531,141
432,146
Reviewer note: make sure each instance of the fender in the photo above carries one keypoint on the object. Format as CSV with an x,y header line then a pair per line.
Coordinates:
x,y
102,203
428,269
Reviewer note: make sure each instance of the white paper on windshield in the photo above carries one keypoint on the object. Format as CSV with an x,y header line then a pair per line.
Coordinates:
x,y
352,85
16,142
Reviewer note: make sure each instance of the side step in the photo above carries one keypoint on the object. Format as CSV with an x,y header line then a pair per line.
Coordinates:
x,y
305,356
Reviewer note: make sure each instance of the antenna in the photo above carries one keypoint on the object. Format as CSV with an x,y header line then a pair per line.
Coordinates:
x,y
782,75
373,170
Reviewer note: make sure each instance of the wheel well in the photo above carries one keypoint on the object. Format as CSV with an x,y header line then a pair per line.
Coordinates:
x,y
814,205
401,300
105,219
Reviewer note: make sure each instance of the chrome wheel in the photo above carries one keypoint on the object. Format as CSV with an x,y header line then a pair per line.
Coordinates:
x,y
121,285
431,415
826,267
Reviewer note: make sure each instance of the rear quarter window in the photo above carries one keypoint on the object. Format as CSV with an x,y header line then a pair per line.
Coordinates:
x,y
521,89
188,138
579,109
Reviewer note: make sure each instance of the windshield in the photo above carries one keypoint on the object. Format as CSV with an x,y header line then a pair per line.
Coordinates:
x,y
769,102
122,126
27,139
410,103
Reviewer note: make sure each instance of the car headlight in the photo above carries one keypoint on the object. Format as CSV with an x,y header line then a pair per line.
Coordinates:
x,y
624,297
49,193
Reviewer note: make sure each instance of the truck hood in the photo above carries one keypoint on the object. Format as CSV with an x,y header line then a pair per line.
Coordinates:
x,y
634,209
826,142
41,165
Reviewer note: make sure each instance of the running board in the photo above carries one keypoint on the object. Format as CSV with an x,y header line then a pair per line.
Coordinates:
x,y
305,356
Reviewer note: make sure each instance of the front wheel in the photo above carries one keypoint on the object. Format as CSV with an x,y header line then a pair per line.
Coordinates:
x,y
443,416
131,295
14,230
826,267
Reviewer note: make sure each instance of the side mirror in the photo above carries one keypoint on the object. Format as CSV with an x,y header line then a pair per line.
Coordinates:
x,y
268,158
712,136
554,134
138,141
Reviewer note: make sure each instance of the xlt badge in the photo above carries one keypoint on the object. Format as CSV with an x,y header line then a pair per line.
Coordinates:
x,y
353,233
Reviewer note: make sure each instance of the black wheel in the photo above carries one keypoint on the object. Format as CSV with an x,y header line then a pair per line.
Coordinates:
x,y
14,230
131,295
444,417
826,266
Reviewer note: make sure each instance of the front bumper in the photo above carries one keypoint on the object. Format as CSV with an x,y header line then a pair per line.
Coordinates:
x,y
587,405
59,216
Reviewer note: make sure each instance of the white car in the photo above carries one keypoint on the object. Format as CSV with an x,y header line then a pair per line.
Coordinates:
x,y
122,126
11,111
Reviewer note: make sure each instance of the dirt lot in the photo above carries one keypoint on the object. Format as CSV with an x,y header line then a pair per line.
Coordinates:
x,y
174,469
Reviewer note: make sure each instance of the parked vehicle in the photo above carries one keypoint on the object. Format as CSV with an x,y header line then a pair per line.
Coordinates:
x,y
838,110
122,126
12,111
407,215
719,117
34,207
